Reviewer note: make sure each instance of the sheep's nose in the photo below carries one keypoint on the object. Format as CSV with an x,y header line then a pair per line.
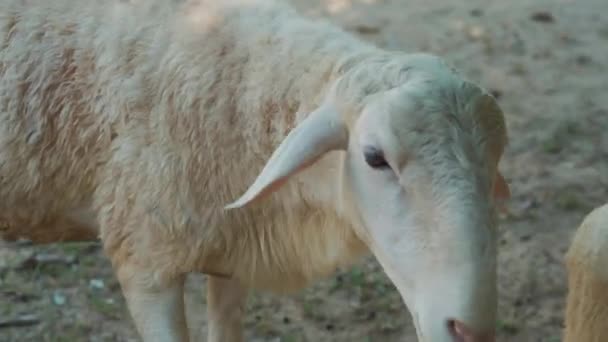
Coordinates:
x,y
462,333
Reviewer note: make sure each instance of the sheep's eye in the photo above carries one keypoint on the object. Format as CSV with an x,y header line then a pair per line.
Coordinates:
x,y
375,158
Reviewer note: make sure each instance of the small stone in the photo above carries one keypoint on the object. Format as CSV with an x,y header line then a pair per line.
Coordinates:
x,y
583,60
476,12
96,283
367,29
542,17
476,32
58,298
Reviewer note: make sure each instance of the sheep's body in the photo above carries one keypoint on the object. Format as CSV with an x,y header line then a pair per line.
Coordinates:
x,y
138,121
587,265
110,123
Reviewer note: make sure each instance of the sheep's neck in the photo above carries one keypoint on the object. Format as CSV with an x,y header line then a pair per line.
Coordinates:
x,y
241,98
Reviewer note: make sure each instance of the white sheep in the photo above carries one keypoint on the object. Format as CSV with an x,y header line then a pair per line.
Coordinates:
x,y
586,318
139,122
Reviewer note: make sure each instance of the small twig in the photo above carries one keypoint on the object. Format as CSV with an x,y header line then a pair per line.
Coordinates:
x,y
21,321
18,296
46,259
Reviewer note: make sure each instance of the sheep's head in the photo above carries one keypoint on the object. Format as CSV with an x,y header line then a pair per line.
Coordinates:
x,y
420,181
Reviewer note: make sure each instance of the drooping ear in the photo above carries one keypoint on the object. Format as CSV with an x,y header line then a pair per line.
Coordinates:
x,y
322,131
501,188
491,119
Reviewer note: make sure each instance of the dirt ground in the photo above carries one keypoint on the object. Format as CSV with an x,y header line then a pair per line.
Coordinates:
x,y
546,60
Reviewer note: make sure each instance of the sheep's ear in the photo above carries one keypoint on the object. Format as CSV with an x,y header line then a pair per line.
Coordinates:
x,y
322,131
501,188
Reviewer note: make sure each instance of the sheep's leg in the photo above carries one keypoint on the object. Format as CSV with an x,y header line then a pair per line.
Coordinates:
x,y
158,311
226,301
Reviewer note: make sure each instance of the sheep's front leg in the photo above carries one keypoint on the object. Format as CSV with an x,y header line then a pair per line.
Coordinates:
x,y
158,311
226,301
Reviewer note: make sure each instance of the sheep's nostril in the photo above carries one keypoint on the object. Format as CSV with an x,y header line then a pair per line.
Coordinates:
x,y
462,333
455,332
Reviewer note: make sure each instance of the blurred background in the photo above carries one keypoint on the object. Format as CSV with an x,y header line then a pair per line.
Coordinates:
x,y
544,60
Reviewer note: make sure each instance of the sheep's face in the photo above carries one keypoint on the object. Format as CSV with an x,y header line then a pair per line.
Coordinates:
x,y
419,180
420,174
